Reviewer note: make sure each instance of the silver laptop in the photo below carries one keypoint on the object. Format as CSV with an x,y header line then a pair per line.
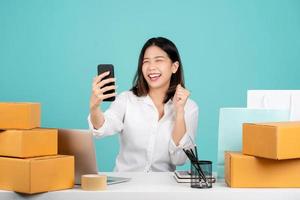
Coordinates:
x,y
80,144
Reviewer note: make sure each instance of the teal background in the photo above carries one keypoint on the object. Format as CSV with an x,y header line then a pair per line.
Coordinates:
x,y
49,50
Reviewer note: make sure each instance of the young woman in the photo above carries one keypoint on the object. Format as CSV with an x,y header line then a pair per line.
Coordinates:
x,y
155,119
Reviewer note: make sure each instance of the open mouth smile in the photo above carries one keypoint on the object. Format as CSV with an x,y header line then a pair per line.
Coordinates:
x,y
154,76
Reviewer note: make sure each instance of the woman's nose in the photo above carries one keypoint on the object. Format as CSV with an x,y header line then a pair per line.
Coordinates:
x,y
152,65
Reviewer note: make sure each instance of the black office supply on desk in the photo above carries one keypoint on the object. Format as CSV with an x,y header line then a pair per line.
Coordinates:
x,y
198,175
194,162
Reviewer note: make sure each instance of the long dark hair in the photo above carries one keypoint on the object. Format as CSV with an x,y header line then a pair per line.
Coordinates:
x,y
140,86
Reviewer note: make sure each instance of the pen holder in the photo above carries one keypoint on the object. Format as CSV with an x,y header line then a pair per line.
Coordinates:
x,y
199,170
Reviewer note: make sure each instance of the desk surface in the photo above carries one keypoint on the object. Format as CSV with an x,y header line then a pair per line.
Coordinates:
x,y
160,185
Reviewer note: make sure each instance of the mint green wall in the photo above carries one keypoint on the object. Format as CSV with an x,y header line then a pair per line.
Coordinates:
x,y
49,50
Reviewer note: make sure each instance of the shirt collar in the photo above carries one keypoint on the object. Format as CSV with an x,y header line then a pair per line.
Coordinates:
x,y
147,99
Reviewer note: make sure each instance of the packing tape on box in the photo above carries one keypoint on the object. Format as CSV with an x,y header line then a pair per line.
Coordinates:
x,y
93,182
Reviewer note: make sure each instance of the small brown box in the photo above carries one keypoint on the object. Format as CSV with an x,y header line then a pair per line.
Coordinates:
x,y
280,140
20,115
28,143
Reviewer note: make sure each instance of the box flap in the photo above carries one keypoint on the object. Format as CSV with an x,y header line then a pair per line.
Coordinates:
x,y
47,157
278,124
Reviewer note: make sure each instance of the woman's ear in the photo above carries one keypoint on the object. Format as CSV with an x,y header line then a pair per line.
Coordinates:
x,y
175,66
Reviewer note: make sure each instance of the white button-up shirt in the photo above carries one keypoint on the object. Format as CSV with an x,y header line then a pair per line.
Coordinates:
x,y
146,142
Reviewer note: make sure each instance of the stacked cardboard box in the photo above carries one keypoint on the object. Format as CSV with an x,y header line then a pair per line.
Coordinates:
x,y
270,156
28,154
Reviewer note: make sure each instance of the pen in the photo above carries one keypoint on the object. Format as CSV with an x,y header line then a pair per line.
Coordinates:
x,y
190,154
200,171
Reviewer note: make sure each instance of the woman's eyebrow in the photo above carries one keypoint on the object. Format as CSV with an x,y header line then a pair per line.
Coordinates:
x,y
154,57
159,57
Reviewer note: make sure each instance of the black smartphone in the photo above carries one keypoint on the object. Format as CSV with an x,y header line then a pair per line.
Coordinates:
x,y
104,68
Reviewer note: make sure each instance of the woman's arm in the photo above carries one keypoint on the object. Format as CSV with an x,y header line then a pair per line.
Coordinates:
x,y
179,127
179,101
96,115
185,127
111,121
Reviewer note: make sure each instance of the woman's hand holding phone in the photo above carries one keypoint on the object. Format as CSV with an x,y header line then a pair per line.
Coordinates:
x,y
99,88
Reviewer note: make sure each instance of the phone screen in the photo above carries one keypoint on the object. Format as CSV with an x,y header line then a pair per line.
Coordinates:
x,y
104,68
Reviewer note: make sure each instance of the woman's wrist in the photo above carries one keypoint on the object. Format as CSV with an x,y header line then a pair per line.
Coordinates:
x,y
97,118
95,109
180,113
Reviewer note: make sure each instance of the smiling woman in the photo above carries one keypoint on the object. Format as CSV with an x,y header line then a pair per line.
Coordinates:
x,y
155,118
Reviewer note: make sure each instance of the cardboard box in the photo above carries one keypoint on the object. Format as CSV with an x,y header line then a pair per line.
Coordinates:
x,y
243,171
20,115
35,175
28,143
272,140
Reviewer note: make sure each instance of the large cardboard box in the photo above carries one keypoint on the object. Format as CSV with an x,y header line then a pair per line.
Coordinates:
x,y
20,115
28,143
272,140
35,175
243,171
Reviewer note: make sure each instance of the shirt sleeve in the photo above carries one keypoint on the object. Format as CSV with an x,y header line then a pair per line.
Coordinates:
x,y
177,155
113,118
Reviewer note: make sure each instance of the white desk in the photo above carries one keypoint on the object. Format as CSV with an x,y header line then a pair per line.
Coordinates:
x,y
159,185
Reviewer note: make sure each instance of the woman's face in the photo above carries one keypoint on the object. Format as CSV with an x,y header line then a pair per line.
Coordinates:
x,y
158,68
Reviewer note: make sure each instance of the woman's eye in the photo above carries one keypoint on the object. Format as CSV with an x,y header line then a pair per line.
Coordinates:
x,y
145,61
